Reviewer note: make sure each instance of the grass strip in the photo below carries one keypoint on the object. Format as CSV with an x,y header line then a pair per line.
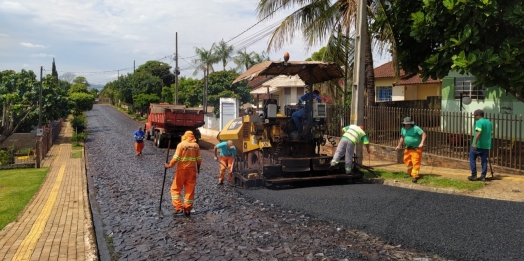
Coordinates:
x,y
428,180
76,155
17,187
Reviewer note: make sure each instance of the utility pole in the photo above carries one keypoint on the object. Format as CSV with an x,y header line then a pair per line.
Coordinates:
x,y
133,66
357,97
204,93
39,131
176,68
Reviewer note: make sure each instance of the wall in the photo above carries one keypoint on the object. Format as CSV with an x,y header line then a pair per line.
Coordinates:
x,y
498,106
211,122
428,89
20,141
433,103
410,93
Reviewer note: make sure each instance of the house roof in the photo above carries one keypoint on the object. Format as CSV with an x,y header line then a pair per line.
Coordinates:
x,y
285,81
415,79
386,71
259,80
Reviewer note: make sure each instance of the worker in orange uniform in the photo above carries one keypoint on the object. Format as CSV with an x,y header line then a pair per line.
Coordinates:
x,y
139,141
227,159
413,137
187,155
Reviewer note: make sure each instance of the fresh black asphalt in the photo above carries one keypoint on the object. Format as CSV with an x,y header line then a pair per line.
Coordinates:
x,y
452,226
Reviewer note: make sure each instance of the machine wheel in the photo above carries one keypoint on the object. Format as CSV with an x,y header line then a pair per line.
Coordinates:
x,y
157,139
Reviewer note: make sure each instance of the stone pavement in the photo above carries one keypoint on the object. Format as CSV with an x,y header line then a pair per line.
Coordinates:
x,y
56,224
502,187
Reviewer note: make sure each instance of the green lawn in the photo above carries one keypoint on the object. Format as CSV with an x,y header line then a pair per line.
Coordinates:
x,y
431,181
77,146
76,154
17,187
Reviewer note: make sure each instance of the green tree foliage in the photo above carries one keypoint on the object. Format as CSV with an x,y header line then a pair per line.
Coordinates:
x,y
159,69
219,86
18,98
81,80
168,94
81,101
78,87
223,52
53,71
318,56
142,101
145,83
189,91
482,38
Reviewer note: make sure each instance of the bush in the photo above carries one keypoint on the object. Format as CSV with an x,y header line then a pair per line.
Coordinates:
x,y
6,157
79,122
79,137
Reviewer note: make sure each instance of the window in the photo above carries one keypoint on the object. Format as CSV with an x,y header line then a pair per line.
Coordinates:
x,y
384,93
287,95
465,85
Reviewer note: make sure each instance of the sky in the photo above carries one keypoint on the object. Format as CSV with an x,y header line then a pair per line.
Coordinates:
x,y
101,39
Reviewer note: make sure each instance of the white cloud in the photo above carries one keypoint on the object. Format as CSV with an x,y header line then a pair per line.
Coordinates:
x,y
13,8
42,55
4,35
30,45
111,34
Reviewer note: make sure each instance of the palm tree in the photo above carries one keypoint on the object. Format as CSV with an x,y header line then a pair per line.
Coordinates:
x,y
319,21
258,58
223,52
243,60
204,62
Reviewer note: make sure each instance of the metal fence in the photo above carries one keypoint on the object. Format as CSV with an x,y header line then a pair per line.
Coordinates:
x,y
449,134
45,142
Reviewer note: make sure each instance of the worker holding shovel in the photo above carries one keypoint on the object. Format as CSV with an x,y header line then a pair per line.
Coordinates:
x,y
227,159
187,155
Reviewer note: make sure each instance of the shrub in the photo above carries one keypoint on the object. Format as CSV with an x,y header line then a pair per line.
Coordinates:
x,y
6,157
79,122
79,137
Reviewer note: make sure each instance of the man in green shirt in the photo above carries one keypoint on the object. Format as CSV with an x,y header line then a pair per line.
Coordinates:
x,y
413,137
480,145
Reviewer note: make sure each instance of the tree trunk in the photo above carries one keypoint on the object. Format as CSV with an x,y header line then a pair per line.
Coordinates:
x,y
370,74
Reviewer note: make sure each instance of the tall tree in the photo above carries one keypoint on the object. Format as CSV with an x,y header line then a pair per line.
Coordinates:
x,y
318,21
243,60
259,57
68,77
81,80
220,86
482,38
204,61
18,99
54,72
223,52
190,91
160,69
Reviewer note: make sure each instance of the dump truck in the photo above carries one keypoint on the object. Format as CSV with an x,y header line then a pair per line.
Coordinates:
x,y
169,122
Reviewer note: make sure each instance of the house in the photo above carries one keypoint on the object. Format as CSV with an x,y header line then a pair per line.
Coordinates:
x,y
285,89
409,87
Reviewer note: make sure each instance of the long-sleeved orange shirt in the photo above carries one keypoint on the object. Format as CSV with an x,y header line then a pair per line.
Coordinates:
x,y
187,155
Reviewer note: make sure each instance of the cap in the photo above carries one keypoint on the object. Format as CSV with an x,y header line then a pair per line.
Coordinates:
x,y
478,112
408,120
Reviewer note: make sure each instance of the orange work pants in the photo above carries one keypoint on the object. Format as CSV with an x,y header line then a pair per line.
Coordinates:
x,y
138,147
226,161
184,179
413,159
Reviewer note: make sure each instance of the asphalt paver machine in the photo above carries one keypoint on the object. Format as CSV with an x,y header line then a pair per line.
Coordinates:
x,y
270,152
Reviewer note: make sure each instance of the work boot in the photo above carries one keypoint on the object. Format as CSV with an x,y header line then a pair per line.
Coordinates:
x,y
471,178
220,182
414,180
187,214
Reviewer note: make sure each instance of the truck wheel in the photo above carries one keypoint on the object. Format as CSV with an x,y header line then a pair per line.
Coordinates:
x,y
157,139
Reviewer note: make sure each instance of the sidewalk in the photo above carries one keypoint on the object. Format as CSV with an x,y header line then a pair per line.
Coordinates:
x,y
56,224
502,187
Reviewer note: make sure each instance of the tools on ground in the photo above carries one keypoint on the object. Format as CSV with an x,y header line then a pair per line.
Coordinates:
x,y
164,180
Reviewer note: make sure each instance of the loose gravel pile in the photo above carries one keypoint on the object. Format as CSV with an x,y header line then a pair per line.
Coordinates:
x,y
314,223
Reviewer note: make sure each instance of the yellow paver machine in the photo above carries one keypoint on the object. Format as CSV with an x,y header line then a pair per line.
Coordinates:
x,y
270,150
